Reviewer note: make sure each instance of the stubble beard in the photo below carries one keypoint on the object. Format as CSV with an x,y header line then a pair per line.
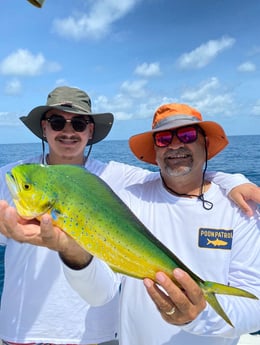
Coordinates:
x,y
176,172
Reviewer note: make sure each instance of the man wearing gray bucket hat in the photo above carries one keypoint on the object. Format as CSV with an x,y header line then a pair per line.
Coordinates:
x,y
38,305
45,309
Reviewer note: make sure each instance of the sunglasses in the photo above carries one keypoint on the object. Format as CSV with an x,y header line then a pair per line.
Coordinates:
x,y
58,123
186,135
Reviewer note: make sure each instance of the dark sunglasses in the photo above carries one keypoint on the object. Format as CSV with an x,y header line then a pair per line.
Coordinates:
x,y
58,123
186,135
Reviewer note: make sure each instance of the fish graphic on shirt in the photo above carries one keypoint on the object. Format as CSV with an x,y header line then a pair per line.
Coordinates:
x,y
217,242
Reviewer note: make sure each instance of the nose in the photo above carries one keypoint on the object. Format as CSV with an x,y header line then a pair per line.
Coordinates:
x,y
175,143
68,126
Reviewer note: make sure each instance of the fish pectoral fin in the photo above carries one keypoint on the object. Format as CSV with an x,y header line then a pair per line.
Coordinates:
x,y
55,214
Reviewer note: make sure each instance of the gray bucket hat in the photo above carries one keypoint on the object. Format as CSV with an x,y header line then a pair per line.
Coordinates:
x,y
71,100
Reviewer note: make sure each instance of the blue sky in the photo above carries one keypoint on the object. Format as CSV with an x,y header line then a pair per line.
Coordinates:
x,y
131,56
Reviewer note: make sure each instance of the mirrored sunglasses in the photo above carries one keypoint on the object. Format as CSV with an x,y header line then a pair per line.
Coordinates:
x,y
58,123
186,135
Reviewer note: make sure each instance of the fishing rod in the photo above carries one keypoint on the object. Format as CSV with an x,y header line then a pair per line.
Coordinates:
x,y
37,3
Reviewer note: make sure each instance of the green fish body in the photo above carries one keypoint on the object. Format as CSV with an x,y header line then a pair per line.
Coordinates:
x,y
86,208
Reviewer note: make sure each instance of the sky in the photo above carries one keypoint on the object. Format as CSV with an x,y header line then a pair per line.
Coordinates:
x,y
131,56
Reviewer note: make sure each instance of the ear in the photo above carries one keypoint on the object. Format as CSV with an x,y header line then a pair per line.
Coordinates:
x,y
207,141
91,130
43,124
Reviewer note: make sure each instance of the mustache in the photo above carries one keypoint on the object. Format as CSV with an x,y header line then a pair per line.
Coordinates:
x,y
68,137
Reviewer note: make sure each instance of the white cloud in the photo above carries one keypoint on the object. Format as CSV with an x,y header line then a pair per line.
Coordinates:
x,y
135,89
254,51
24,63
256,109
13,87
247,67
210,97
9,119
97,22
205,53
61,82
134,101
148,70
122,105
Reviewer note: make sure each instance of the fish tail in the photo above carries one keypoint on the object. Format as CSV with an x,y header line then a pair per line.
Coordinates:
x,y
212,288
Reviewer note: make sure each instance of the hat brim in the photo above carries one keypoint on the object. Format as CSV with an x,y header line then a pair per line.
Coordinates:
x,y
142,145
103,121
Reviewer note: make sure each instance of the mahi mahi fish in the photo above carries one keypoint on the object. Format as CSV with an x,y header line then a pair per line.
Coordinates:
x,y
86,208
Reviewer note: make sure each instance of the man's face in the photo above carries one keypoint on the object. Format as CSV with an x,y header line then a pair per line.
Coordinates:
x,y
67,142
180,159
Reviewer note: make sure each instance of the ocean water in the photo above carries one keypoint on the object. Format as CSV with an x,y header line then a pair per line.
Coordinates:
x,y
241,155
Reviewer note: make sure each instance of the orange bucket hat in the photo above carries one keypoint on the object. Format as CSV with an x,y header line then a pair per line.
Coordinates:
x,y
174,115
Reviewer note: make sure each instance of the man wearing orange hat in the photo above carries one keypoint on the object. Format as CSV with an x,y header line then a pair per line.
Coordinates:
x,y
193,218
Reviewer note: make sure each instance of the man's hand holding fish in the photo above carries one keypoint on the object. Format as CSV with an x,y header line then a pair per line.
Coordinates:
x,y
178,304
42,234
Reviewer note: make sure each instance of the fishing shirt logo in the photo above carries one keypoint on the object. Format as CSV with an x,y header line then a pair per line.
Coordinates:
x,y
215,238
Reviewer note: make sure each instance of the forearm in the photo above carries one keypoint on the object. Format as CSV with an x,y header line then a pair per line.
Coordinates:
x,y
239,189
75,257
96,283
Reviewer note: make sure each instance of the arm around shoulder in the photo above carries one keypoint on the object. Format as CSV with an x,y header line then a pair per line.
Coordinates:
x,y
238,188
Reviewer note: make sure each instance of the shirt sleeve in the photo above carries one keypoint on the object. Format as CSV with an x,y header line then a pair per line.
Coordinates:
x,y
97,283
226,181
120,175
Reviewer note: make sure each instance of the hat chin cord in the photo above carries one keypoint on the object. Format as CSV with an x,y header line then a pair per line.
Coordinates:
x,y
43,152
89,150
207,205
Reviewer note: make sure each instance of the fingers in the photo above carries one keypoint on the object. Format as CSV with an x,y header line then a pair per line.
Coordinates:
x,y
47,230
23,231
240,202
41,234
8,221
162,301
188,286
51,236
179,302
255,193
56,239
3,205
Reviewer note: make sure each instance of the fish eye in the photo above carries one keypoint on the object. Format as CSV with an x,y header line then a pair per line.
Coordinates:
x,y
26,186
